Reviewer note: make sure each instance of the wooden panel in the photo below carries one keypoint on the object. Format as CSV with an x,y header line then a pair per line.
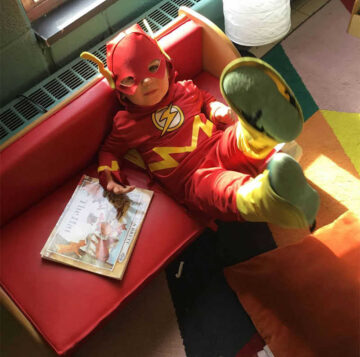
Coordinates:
x,y
218,50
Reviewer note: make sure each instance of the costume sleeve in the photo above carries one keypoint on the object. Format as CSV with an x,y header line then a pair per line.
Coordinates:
x,y
207,99
216,111
111,153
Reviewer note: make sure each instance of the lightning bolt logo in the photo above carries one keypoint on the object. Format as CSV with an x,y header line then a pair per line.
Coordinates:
x,y
165,152
168,119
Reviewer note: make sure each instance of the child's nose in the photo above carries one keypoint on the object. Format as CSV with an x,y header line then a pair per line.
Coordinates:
x,y
146,81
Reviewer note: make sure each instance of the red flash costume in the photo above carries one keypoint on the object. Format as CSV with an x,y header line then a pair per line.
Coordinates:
x,y
220,172
186,152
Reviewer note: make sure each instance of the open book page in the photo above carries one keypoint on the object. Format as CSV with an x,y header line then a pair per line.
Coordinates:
x,y
97,230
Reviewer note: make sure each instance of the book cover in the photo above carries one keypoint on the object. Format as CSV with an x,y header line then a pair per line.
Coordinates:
x,y
97,230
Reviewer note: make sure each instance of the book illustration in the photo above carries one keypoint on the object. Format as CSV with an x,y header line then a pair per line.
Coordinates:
x,y
97,229
70,248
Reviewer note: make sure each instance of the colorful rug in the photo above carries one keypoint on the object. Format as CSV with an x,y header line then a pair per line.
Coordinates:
x,y
197,314
328,69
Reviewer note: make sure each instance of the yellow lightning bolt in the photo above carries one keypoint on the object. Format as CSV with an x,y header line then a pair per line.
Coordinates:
x,y
169,117
165,152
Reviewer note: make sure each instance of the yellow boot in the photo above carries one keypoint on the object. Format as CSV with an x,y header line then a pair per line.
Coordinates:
x,y
258,202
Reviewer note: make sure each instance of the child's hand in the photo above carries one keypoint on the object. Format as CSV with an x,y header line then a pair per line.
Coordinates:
x,y
222,113
114,187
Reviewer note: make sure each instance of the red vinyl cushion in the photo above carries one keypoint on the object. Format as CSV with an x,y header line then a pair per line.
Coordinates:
x,y
184,46
205,80
51,153
65,304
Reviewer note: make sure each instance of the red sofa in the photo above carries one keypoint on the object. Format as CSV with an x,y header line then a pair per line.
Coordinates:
x,y
39,172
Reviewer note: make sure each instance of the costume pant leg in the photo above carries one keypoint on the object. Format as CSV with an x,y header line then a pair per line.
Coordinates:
x,y
212,191
213,187
230,154
231,186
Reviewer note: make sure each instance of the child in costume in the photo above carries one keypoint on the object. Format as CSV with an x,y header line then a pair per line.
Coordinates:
x,y
207,156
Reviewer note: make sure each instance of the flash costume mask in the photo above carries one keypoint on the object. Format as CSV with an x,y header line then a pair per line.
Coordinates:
x,y
129,56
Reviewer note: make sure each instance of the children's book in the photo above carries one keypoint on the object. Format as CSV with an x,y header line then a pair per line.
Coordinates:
x,y
98,230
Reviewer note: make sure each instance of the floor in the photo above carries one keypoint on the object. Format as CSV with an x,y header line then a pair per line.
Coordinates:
x,y
301,10
14,339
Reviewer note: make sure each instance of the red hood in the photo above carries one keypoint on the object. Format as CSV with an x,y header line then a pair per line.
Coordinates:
x,y
129,55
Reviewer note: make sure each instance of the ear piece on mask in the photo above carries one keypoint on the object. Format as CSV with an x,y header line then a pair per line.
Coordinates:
x,y
104,71
151,34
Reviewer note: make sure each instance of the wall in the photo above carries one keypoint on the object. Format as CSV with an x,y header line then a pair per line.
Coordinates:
x,y
17,46
24,62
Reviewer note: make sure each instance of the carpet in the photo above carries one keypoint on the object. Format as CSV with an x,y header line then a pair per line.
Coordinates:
x,y
348,4
321,67
197,314
331,152
327,65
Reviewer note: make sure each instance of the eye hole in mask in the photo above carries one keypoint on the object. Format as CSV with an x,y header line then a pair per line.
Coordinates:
x,y
152,68
128,81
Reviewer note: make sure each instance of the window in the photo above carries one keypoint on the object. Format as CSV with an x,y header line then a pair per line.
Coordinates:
x,y
37,8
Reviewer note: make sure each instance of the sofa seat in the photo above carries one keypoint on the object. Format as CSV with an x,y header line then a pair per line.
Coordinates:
x,y
63,303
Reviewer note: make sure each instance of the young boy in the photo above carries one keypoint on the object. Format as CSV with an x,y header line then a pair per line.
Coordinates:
x,y
193,146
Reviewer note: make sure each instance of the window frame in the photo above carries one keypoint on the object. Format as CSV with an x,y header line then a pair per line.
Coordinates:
x,y
37,8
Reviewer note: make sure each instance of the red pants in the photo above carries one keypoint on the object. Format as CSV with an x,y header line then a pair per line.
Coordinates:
x,y
213,186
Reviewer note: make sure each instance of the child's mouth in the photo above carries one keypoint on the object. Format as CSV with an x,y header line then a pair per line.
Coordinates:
x,y
150,92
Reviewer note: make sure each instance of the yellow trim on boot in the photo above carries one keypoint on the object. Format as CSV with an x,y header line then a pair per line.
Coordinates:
x,y
280,82
252,142
257,202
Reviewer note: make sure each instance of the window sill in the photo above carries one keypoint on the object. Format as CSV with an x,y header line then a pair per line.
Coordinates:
x,y
67,17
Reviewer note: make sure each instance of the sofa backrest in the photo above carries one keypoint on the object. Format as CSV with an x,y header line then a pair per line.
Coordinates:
x,y
67,141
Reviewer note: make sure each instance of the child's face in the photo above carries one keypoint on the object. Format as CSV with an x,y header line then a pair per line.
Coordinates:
x,y
151,90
